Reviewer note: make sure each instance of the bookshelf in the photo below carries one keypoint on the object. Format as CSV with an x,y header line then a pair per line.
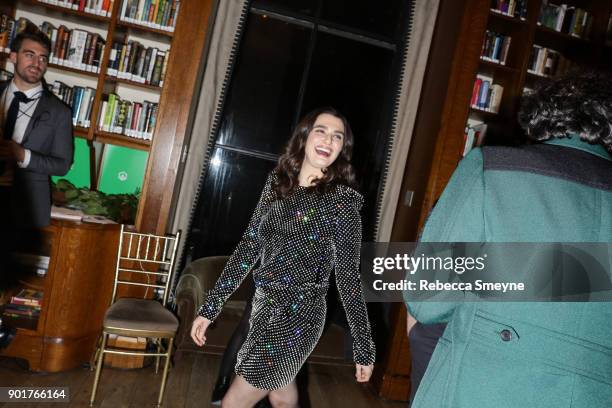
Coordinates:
x,y
81,252
112,29
174,96
527,29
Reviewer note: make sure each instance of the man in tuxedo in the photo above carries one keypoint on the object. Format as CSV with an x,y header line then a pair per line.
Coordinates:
x,y
35,143
36,138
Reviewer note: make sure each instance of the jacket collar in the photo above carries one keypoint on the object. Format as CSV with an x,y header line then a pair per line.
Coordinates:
x,y
575,142
30,93
41,111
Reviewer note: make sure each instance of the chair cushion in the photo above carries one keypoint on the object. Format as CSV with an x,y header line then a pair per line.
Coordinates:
x,y
140,314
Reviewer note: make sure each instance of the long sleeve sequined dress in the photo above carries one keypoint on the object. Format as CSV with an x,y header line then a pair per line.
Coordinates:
x,y
296,243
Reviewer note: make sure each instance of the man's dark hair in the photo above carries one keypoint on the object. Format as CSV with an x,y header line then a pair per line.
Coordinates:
x,y
33,35
579,102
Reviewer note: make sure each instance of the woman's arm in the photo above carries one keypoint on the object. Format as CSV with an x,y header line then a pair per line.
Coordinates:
x,y
242,260
347,257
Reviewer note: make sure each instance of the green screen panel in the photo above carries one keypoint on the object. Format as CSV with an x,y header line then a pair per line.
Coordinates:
x,y
121,170
79,173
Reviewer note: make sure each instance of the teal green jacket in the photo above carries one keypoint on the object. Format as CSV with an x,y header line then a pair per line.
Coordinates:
x,y
522,355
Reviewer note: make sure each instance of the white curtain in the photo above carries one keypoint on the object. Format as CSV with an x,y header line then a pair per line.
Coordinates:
x,y
222,36
423,23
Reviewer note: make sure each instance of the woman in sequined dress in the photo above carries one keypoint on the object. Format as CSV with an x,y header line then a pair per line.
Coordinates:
x,y
306,225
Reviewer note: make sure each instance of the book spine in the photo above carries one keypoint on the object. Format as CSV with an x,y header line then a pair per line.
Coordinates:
x,y
89,109
92,51
98,54
102,115
123,9
109,107
128,120
114,114
484,94
112,60
138,69
83,107
86,51
152,120
132,60
164,68
153,19
124,49
476,92
159,61
175,15
76,104
152,65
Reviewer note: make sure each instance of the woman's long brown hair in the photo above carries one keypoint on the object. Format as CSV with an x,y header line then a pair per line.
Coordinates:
x,y
290,163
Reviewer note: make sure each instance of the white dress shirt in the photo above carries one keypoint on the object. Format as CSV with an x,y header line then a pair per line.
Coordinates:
x,y
26,111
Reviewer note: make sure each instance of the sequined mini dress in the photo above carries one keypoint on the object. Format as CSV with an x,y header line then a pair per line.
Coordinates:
x,y
291,246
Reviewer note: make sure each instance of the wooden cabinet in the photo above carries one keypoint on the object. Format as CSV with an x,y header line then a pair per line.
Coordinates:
x,y
77,290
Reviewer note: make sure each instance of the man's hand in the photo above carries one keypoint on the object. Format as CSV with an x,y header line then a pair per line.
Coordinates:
x,y
17,150
363,373
9,149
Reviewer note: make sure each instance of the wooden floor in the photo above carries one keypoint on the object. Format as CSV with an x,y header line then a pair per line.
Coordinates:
x,y
189,385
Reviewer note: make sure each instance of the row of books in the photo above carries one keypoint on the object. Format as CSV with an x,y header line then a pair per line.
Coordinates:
x,y
160,14
79,98
511,8
565,19
132,119
26,304
74,48
486,95
98,7
495,47
71,48
546,62
474,135
132,60
9,28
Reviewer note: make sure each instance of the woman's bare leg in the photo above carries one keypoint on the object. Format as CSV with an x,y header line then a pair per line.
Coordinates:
x,y
286,397
241,394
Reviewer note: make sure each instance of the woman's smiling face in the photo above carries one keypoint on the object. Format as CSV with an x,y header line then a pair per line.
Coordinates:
x,y
324,142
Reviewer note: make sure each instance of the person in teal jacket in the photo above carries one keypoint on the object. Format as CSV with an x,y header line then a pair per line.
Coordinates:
x,y
529,354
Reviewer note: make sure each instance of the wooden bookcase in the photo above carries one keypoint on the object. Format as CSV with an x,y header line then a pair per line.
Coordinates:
x,y
176,98
503,127
82,255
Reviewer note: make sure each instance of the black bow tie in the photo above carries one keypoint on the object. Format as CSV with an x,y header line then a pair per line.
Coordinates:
x,y
21,97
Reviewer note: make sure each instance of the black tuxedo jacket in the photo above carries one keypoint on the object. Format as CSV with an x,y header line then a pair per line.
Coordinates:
x,y
49,138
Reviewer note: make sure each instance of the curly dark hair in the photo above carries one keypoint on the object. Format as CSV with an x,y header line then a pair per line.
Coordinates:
x,y
290,163
579,102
